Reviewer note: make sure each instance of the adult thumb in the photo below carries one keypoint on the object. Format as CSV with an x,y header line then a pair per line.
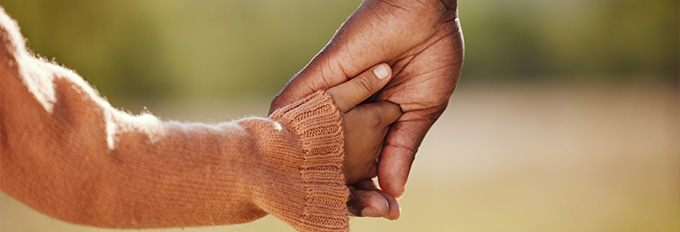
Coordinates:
x,y
358,89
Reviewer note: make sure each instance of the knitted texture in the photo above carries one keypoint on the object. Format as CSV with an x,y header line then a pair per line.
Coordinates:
x,y
66,152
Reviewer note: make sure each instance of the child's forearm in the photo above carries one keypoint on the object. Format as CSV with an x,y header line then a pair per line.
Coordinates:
x,y
67,153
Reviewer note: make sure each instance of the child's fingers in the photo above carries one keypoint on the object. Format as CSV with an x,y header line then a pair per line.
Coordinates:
x,y
368,201
394,210
351,93
379,114
387,112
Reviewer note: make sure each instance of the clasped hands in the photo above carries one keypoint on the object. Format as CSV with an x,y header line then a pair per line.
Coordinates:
x,y
390,68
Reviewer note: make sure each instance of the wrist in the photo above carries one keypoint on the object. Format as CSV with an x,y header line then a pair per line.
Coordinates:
x,y
299,162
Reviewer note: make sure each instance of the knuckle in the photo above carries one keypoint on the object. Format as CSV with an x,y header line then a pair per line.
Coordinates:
x,y
395,108
365,84
374,120
395,113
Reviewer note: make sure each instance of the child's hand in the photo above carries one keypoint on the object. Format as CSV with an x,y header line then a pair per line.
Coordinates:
x,y
365,125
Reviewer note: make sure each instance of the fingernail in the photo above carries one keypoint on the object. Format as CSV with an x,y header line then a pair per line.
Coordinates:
x,y
381,71
369,212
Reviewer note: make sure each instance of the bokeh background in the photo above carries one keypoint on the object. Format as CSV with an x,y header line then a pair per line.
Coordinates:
x,y
566,117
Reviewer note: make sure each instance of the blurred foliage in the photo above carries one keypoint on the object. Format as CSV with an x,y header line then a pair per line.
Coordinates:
x,y
201,49
600,40
157,49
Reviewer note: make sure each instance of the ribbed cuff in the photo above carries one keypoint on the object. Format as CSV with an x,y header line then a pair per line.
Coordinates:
x,y
317,123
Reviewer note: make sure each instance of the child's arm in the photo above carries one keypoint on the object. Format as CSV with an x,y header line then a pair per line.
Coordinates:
x,y
67,153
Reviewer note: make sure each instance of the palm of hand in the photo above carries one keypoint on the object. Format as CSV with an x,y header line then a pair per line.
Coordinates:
x,y
426,68
423,43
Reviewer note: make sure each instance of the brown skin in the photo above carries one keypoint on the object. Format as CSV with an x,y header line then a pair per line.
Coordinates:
x,y
364,125
422,41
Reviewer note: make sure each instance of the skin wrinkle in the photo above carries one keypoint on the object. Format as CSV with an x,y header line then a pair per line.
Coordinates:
x,y
61,162
450,5
381,19
389,89
401,67
396,127
326,82
344,72
398,7
412,54
323,81
399,146
385,18
404,143
425,45
341,67
448,19
408,12
149,184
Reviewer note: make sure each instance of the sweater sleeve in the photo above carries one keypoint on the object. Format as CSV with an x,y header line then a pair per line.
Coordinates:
x,y
66,152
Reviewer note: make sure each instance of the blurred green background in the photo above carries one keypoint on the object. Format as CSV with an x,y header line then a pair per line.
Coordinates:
x,y
565,118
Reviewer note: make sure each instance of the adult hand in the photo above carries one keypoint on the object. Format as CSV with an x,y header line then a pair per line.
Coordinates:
x,y
422,41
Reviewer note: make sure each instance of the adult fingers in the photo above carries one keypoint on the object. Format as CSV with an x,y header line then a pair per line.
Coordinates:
x,y
372,34
398,153
351,93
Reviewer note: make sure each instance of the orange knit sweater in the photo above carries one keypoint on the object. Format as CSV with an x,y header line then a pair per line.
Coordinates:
x,y
66,152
